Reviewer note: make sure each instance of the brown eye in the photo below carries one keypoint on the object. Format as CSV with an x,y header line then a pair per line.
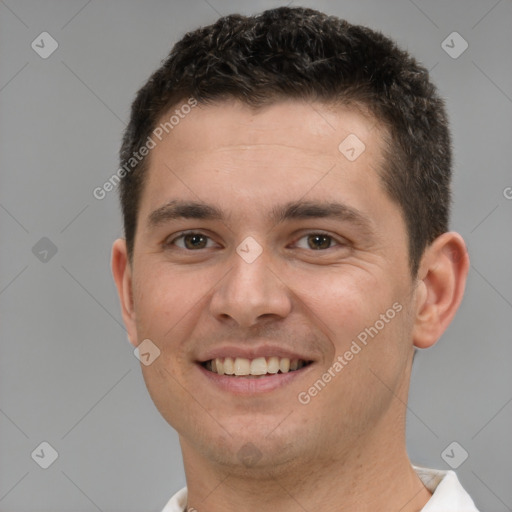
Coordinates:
x,y
195,241
319,241
191,241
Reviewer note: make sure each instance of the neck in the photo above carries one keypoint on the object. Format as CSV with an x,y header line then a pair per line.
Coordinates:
x,y
371,475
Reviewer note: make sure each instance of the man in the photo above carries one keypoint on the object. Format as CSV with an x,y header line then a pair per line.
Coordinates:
x,y
286,190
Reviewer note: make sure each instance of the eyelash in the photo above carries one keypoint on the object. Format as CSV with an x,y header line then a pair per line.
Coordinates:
x,y
169,243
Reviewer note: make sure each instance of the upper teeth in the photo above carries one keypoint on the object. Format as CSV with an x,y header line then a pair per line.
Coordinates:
x,y
258,366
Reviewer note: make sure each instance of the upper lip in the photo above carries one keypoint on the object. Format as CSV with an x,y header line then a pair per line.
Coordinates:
x,y
266,350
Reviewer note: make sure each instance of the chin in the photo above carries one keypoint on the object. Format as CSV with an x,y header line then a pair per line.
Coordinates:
x,y
252,450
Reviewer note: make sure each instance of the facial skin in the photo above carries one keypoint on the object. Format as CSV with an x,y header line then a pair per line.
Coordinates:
x,y
345,449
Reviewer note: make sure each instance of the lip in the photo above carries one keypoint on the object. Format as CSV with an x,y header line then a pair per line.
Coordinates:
x,y
264,350
250,386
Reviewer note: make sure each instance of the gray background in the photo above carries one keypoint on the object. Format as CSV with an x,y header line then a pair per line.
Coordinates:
x,y
67,373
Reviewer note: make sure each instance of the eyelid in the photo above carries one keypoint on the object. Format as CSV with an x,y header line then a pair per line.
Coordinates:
x,y
338,240
171,239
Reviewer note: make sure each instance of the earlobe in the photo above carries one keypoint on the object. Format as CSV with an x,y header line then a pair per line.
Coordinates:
x,y
121,270
443,272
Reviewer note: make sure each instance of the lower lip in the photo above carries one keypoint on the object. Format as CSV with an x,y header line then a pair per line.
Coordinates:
x,y
251,385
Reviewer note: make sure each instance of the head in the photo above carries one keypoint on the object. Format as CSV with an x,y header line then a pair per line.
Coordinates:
x,y
309,164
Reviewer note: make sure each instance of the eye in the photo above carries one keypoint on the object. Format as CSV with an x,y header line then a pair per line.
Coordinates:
x,y
316,241
191,241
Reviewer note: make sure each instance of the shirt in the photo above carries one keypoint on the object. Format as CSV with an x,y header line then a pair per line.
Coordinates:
x,y
448,495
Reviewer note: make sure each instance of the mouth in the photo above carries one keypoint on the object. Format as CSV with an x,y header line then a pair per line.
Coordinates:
x,y
253,368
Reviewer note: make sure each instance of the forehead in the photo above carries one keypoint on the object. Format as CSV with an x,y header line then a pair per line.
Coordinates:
x,y
312,126
259,156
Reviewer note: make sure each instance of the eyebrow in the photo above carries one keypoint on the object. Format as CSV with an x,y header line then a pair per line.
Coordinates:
x,y
295,210
176,209
298,210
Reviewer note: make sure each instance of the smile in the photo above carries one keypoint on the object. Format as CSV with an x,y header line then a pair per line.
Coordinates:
x,y
258,367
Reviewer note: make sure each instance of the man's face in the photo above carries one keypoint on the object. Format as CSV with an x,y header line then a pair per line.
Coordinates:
x,y
306,255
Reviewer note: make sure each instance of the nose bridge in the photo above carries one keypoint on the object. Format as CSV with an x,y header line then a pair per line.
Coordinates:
x,y
251,289
252,279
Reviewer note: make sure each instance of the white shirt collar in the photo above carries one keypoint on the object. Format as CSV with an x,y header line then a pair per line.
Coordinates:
x,y
448,495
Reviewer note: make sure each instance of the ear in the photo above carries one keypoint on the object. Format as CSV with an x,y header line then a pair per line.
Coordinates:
x,y
122,272
441,282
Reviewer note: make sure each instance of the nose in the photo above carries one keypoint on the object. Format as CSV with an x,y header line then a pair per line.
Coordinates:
x,y
250,293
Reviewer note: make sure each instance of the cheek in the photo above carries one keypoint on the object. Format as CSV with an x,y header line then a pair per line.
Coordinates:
x,y
163,386
365,317
167,305
165,302
345,299
369,329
